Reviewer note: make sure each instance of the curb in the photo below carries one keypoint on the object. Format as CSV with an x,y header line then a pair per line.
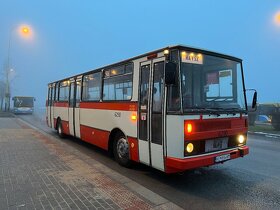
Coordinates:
x,y
158,201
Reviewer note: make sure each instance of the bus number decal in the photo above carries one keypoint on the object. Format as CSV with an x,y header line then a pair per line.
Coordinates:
x,y
117,114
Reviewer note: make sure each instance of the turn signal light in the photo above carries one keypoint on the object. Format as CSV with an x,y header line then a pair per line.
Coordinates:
x,y
188,128
134,117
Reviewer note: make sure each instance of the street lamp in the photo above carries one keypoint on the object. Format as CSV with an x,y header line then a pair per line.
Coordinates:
x,y
277,18
25,32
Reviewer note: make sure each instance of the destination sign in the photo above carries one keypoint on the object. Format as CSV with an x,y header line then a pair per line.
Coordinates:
x,y
190,57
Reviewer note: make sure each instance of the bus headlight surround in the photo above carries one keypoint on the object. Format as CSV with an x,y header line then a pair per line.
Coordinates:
x,y
189,148
241,139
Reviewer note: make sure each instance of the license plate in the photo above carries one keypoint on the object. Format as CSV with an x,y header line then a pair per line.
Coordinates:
x,y
222,158
216,144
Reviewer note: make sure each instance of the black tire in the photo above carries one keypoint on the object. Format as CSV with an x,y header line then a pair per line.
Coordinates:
x,y
60,130
121,150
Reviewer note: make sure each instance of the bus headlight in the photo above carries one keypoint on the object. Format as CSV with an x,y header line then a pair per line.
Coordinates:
x,y
241,139
189,148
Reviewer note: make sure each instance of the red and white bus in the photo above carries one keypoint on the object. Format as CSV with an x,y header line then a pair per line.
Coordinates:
x,y
174,109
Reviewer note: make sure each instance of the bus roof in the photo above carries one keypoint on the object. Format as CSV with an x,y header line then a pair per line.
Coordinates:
x,y
179,47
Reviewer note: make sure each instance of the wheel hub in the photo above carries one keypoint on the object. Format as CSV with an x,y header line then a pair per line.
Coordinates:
x,y
122,148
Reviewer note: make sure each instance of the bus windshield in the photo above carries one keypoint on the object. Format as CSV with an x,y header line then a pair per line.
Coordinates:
x,y
211,83
23,102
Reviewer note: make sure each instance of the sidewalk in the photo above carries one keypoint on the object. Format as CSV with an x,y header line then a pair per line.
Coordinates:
x,y
37,171
6,114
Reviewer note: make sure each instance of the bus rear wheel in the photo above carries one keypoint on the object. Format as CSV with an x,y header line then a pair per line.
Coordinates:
x,y
121,150
60,129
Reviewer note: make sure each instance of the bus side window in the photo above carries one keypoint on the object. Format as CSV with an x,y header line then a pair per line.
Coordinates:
x,y
78,92
72,93
118,83
56,91
92,87
63,91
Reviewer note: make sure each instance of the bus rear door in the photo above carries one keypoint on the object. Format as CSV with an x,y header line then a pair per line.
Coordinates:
x,y
71,111
50,108
74,107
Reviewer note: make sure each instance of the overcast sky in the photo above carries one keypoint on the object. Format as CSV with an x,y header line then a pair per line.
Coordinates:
x,y
70,37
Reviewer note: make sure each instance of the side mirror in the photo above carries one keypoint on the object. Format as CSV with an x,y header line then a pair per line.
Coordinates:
x,y
34,99
13,98
170,73
252,93
254,102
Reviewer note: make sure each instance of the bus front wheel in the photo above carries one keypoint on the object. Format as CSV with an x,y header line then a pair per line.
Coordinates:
x,y
121,150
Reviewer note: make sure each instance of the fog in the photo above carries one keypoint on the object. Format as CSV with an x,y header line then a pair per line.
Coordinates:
x,y
71,37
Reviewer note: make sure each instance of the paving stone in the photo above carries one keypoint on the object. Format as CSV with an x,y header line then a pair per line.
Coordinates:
x,y
40,172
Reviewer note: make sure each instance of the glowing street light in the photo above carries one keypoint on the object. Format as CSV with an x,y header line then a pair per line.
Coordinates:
x,y
25,32
277,18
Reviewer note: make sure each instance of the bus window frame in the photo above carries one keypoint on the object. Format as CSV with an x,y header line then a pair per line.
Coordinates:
x,y
180,111
132,80
82,86
58,99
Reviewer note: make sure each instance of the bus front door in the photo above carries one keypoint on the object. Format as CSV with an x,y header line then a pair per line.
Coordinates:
x,y
151,110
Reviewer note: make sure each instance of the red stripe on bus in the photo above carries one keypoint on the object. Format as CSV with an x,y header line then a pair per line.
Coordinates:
x,y
94,136
213,128
174,165
133,149
61,104
54,123
123,106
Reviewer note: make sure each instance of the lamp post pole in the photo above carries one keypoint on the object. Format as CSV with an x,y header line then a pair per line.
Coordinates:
x,y
7,89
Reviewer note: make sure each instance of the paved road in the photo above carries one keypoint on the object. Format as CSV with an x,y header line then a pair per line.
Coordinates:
x,y
252,182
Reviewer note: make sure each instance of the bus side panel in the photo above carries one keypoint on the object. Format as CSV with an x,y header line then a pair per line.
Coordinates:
x,y
133,149
101,119
175,133
107,116
95,136
60,110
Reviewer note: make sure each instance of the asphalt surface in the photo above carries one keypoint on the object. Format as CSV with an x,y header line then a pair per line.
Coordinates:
x,y
252,182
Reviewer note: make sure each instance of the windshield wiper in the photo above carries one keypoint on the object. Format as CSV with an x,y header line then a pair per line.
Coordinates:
x,y
204,109
217,110
219,99
231,110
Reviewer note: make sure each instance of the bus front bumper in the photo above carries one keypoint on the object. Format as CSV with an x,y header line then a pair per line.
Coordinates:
x,y
174,165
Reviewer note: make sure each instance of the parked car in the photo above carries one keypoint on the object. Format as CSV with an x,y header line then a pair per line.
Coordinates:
x,y
263,118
